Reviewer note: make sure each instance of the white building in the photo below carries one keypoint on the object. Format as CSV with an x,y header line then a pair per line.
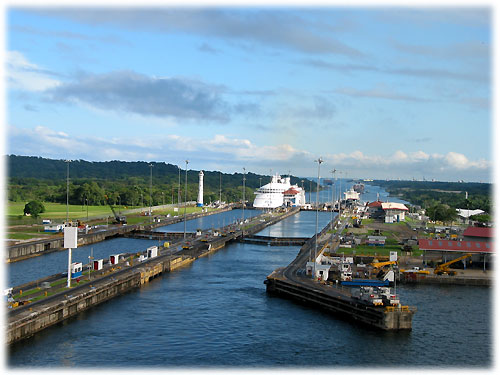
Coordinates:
x,y
394,212
465,214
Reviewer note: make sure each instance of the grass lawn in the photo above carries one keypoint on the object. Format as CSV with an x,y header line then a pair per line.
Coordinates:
x,y
57,213
58,210
21,236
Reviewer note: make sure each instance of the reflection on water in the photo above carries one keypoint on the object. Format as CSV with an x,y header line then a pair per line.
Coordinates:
x,y
302,224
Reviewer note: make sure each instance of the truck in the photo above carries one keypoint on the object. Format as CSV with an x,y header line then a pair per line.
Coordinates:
x,y
368,295
388,298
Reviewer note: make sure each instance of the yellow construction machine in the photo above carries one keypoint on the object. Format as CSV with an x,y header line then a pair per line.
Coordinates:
x,y
444,269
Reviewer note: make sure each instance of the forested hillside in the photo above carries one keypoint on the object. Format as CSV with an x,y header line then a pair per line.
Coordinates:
x,y
127,183
453,194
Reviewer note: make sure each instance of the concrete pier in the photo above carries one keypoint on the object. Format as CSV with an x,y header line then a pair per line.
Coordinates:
x,y
291,283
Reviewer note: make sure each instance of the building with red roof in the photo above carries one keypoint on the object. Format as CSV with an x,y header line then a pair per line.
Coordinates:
x,y
478,234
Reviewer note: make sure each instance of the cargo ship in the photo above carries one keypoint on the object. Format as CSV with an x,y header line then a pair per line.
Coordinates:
x,y
359,187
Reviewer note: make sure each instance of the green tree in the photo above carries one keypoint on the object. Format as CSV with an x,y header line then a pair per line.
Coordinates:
x,y
34,208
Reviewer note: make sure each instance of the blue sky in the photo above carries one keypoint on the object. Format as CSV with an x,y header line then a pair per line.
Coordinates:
x,y
377,92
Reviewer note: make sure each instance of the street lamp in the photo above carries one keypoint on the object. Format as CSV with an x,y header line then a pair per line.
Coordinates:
x,y
220,188
67,191
244,193
150,191
179,189
319,161
302,181
333,195
340,192
119,205
185,198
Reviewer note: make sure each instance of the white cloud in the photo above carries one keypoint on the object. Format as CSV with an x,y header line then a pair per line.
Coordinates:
x,y
229,153
24,75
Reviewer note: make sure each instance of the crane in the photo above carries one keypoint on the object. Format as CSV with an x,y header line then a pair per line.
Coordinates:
x,y
377,265
118,219
443,268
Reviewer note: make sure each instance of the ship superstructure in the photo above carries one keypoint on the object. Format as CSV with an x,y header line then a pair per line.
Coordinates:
x,y
279,192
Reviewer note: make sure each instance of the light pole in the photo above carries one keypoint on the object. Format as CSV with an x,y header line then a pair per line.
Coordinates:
x,y
220,188
302,181
163,198
333,195
185,198
119,205
150,191
319,161
87,201
340,192
67,191
244,193
179,189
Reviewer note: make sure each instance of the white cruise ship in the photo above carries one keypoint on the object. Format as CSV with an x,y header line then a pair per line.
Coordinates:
x,y
279,192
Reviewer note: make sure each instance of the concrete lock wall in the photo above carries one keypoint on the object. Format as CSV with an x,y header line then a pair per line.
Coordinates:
x,y
56,313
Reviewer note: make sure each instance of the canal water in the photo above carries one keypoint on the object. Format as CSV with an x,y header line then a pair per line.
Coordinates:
x,y
302,224
57,262
215,313
211,221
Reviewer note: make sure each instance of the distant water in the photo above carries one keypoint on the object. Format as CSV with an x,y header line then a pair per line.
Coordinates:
x,y
210,221
369,195
216,313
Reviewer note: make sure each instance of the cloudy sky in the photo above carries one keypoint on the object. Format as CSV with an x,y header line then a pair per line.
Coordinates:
x,y
377,92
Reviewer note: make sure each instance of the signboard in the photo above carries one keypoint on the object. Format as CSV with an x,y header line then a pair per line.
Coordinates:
x,y
70,237
393,256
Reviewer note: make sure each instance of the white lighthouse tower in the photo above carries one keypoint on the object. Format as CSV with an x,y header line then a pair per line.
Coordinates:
x,y
199,202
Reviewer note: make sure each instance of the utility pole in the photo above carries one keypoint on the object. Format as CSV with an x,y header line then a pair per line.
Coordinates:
x,y
244,193
333,196
185,199
179,189
319,161
220,188
67,191
302,181
150,192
